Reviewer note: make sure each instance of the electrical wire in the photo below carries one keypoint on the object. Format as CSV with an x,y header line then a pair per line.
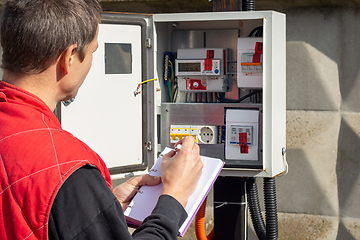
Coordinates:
x,y
169,90
176,91
171,82
258,32
172,87
200,224
149,80
137,90
255,209
270,209
240,99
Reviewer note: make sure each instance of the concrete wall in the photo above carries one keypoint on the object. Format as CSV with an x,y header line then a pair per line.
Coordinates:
x,y
319,198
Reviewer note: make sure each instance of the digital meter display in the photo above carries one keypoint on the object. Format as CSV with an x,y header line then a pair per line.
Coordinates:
x,y
189,67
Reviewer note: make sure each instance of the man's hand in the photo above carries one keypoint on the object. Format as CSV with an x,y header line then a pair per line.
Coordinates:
x,y
127,190
181,170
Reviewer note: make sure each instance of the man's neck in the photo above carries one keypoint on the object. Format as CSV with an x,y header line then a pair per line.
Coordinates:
x,y
41,85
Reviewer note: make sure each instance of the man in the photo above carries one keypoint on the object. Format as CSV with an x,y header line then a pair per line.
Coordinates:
x,y
52,185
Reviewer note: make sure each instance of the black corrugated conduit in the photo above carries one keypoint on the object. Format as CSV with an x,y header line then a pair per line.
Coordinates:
x,y
270,231
248,5
255,210
270,208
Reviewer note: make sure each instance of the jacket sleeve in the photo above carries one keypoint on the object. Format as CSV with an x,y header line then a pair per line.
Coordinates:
x,y
85,208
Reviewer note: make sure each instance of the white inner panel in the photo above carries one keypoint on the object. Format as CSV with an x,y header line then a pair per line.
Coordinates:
x,y
105,113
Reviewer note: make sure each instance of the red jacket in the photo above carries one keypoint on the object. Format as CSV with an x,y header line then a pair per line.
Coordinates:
x,y
36,157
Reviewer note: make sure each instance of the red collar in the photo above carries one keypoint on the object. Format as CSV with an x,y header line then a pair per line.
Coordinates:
x,y
12,94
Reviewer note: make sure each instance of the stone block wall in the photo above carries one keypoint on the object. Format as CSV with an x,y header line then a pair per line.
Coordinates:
x,y
319,197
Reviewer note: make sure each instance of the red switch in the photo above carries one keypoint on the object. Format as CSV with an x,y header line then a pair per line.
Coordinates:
x,y
243,143
259,47
257,58
208,61
208,65
258,52
210,54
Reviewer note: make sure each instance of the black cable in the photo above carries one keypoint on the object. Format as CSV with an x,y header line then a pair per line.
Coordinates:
x,y
270,231
226,100
175,93
270,209
255,210
258,32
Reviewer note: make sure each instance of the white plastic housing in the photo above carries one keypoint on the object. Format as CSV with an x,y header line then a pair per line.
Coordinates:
x,y
248,76
237,119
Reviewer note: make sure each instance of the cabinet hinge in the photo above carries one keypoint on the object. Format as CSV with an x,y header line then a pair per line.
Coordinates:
x,y
148,43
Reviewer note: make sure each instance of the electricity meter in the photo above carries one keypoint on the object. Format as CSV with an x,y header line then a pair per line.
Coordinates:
x,y
202,70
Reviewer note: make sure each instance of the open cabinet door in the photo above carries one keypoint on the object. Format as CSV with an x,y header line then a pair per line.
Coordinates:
x,y
105,114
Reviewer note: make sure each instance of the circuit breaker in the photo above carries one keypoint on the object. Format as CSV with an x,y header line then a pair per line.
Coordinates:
x,y
242,129
250,62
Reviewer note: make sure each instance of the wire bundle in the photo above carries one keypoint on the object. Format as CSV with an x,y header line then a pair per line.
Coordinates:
x,y
172,87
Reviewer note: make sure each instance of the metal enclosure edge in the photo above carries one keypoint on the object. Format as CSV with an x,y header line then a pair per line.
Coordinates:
x,y
148,122
274,84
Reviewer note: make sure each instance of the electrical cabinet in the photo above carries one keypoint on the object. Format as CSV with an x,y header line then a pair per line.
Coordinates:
x,y
220,78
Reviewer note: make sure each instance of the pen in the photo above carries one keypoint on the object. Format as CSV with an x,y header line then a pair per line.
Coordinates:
x,y
178,147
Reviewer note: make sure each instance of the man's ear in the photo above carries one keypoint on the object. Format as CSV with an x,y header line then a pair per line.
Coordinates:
x,y
66,59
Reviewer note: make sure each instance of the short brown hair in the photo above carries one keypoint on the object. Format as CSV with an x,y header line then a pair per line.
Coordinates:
x,y
34,33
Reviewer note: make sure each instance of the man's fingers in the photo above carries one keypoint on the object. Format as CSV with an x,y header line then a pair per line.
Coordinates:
x,y
148,180
186,142
170,154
